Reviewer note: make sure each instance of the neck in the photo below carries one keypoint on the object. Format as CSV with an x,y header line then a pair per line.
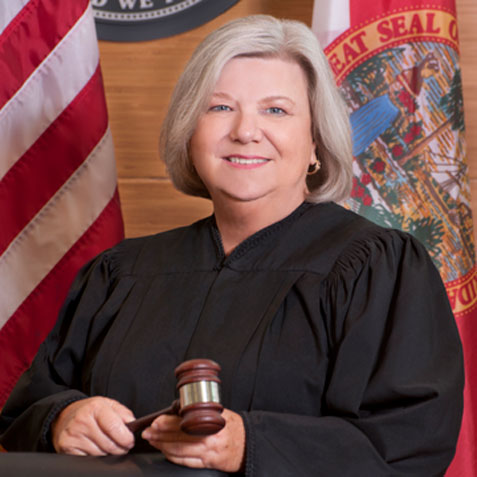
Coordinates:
x,y
238,221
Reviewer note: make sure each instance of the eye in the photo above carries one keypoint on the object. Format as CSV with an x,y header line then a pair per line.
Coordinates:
x,y
220,107
276,110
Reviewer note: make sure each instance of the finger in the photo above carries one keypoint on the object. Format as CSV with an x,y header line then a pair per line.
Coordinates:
x,y
193,462
165,436
116,437
87,446
164,427
167,423
184,449
223,451
182,454
93,440
79,444
169,436
73,451
79,452
107,446
125,413
81,426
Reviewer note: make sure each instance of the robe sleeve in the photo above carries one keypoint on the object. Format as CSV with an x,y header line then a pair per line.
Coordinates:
x,y
393,400
54,379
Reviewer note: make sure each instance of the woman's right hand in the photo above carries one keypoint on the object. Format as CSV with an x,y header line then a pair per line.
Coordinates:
x,y
93,426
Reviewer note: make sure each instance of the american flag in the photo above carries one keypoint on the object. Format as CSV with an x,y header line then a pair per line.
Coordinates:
x,y
59,203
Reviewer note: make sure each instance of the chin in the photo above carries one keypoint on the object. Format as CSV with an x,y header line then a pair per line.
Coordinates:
x,y
245,196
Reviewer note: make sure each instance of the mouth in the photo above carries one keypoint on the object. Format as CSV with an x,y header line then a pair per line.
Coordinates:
x,y
246,161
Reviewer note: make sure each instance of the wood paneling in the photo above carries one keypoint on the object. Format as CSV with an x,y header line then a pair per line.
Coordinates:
x,y
151,206
467,19
139,78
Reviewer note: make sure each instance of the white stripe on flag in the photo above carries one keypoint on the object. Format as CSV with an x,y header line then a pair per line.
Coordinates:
x,y
330,19
33,253
47,92
9,10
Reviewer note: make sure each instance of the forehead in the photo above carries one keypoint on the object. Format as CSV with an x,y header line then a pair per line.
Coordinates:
x,y
263,74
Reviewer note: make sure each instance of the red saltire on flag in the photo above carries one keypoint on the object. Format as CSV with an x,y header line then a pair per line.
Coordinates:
x,y
59,203
397,65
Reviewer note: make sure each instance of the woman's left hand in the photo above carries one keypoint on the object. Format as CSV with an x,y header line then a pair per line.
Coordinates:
x,y
222,451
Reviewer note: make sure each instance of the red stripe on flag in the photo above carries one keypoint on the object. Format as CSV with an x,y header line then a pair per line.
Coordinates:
x,y
21,336
30,37
58,152
465,460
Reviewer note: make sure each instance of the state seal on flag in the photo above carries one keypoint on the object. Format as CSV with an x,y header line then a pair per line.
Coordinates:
x,y
400,76
137,20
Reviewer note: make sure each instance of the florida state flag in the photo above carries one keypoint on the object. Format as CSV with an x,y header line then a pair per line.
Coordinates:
x,y
397,65
58,191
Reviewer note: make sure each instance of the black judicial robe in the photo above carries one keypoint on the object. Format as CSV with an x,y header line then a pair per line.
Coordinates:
x,y
336,339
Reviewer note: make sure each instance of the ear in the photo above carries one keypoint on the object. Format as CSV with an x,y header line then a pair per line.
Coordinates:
x,y
314,155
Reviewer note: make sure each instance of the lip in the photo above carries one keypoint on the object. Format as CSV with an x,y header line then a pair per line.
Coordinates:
x,y
241,161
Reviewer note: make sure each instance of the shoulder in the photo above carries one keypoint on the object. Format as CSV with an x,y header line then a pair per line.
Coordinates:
x,y
170,251
364,247
337,239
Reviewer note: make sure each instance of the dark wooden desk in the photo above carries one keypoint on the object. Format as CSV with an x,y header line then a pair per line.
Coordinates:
x,y
31,464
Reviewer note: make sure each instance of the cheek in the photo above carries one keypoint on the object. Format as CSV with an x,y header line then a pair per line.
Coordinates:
x,y
193,150
201,156
206,139
197,147
297,144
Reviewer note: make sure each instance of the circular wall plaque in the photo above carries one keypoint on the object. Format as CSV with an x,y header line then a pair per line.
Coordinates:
x,y
137,20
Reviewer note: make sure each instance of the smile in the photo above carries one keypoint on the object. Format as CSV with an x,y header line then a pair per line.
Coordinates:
x,y
245,161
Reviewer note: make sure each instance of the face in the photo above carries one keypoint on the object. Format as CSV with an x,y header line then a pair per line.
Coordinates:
x,y
254,141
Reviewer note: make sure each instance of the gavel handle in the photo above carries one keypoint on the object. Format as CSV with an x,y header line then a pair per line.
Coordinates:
x,y
143,422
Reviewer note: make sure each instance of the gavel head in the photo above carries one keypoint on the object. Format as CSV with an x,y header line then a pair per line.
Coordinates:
x,y
198,384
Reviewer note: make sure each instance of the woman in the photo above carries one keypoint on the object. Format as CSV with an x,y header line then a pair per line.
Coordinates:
x,y
338,347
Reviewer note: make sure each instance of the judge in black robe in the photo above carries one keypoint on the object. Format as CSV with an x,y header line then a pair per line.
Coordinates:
x,y
337,343
339,350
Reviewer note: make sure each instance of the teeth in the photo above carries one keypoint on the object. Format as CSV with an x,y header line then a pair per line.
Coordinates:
x,y
241,160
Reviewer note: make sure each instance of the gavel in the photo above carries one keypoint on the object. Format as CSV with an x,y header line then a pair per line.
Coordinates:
x,y
198,405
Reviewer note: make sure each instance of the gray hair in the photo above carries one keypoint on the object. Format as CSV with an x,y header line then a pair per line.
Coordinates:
x,y
268,37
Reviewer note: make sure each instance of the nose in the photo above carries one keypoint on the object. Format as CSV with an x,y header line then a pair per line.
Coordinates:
x,y
245,128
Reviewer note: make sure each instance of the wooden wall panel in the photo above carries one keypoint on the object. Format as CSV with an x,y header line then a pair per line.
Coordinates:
x,y
151,206
139,78
467,17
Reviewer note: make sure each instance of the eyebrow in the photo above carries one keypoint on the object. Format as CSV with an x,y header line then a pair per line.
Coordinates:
x,y
221,95
278,97
264,100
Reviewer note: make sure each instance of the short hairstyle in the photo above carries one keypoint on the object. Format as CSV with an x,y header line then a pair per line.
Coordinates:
x,y
267,37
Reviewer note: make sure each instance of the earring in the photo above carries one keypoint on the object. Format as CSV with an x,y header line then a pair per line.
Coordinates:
x,y
313,168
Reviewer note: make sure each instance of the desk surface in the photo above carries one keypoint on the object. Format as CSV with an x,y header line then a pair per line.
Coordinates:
x,y
19,464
